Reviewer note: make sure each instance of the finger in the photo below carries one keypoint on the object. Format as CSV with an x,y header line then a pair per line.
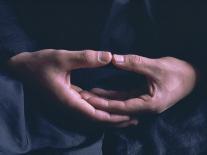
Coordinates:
x,y
115,95
116,118
110,94
86,95
74,101
126,124
112,106
86,59
91,112
76,88
127,107
135,63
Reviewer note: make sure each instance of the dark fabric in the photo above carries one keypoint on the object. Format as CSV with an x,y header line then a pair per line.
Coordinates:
x,y
144,27
13,39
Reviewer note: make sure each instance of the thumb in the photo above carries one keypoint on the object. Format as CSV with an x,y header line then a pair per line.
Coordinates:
x,y
135,63
87,59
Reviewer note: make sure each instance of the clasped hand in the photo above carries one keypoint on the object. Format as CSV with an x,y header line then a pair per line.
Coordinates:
x,y
169,80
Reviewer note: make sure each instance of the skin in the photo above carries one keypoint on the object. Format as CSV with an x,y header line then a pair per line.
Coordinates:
x,y
169,81
52,70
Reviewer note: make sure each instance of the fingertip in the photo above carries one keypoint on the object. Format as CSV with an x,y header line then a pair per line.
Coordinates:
x,y
118,59
120,117
99,116
127,118
104,57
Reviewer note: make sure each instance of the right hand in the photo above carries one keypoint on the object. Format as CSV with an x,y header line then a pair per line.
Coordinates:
x,y
52,69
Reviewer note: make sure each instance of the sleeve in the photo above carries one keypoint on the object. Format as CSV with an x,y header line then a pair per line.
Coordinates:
x,y
13,39
23,126
183,31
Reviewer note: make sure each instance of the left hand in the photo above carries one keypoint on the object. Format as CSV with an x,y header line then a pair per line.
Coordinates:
x,y
52,68
169,80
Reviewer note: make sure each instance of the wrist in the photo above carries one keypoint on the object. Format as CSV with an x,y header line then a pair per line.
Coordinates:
x,y
16,62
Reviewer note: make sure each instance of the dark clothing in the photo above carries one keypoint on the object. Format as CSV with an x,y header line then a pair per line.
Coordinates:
x,y
31,121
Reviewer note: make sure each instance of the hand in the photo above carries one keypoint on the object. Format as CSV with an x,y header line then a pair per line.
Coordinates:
x,y
52,68
169,80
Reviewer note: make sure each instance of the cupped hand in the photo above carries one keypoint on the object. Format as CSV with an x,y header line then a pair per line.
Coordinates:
x,y
169,81
52,69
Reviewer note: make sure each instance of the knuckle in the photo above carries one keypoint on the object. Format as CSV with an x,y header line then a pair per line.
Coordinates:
x,y
135,60
56,53
61,51
89,57
86,55
169,58
59,55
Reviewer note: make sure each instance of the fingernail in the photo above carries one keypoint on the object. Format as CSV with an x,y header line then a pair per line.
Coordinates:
x,y
104,57
118,58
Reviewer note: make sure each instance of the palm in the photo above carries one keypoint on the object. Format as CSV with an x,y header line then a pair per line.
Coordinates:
x,y
169,80
52,69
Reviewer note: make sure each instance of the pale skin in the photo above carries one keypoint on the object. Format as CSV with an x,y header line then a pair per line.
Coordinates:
x,y
169,80
52,69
